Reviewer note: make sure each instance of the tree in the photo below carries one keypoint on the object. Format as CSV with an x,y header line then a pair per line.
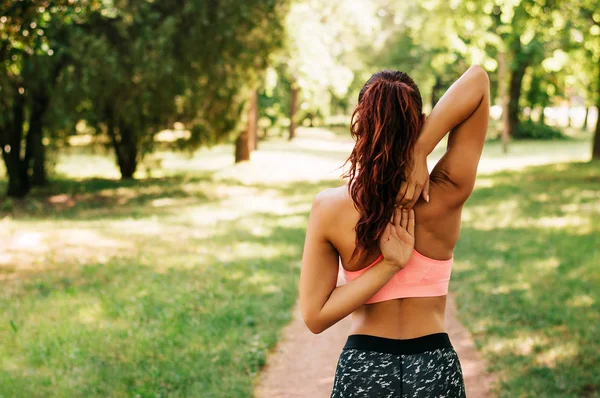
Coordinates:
x,y
142,69
323,39
585,25
33,54
483,32
239,39
429,46
246,141
128,76
293,109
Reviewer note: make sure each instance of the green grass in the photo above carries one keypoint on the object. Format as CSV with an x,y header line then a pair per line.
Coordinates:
x,y
179,285
175,286
527,278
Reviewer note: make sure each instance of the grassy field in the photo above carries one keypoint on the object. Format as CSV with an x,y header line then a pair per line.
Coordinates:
x,y
527,277
179,285
174,286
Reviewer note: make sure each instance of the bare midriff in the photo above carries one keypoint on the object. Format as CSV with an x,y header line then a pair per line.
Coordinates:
x,y
403,318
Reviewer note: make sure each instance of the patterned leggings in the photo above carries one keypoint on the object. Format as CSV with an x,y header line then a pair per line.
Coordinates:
x,y
424,367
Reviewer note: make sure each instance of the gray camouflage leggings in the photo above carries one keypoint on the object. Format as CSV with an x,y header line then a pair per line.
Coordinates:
x,y
424,367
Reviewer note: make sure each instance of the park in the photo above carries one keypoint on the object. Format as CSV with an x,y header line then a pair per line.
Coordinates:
x,y
160,159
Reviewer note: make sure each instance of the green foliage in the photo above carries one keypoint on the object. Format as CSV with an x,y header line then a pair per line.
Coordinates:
x,y
34,51
324,40
130,69
274,101
538,131
237,42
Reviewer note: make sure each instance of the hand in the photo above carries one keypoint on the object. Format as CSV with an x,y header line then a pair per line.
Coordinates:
x,y
416,184
398,238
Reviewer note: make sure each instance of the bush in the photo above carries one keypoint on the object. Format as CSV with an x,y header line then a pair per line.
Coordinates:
x,y
538,131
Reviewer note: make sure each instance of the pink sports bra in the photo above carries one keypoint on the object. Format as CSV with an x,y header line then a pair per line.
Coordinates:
x,y
421,277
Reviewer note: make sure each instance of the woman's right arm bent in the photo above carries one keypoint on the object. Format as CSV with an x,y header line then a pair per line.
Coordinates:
x,y
322,303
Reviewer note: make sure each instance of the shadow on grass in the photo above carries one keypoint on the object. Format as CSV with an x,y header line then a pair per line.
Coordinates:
x,y
133,327
68,198
98,198
530,298
526,281
540,186
171,324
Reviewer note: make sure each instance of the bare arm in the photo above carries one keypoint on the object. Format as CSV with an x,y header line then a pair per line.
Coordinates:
x,y
322,303
456,106
464,111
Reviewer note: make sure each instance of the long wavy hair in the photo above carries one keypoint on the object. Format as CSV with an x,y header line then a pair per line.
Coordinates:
x,y
385,125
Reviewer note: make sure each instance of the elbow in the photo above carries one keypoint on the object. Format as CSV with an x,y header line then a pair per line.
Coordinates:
x,y
315,329
314,326
480,74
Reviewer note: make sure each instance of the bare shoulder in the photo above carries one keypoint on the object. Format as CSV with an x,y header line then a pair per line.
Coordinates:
x,y
331,201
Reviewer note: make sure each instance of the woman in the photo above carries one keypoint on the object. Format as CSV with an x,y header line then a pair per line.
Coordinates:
x,y
394,228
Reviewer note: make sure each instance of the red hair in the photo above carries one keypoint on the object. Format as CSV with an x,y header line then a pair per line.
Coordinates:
x,y
385,125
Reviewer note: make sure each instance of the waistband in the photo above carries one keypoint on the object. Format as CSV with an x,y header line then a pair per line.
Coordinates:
x,y
416,345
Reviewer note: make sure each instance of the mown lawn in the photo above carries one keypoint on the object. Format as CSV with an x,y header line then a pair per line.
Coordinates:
x,y
176,286
527,278
179,285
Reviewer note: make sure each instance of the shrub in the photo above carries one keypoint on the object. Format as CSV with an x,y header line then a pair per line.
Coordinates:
x,y
538,131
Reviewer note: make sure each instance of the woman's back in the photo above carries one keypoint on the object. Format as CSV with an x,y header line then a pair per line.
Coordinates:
x,y
436,233
436,227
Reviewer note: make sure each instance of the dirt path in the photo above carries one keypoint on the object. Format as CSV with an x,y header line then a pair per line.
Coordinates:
x,y
303,364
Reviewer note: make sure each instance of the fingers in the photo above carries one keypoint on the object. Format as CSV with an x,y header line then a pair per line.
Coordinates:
x,y
397,217
411,222
401,192
408,196
416,196
425,192
404,220
387,233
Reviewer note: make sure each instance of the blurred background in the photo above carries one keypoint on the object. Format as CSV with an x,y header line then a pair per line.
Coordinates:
x,y
159,159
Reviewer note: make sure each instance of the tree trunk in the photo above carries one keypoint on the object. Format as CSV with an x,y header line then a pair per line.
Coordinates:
x,y
125,145
18,181
246,141
504,100
16,168
516,82
585,126
252,121
293,110
129,153
35,152
242,147
596,146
